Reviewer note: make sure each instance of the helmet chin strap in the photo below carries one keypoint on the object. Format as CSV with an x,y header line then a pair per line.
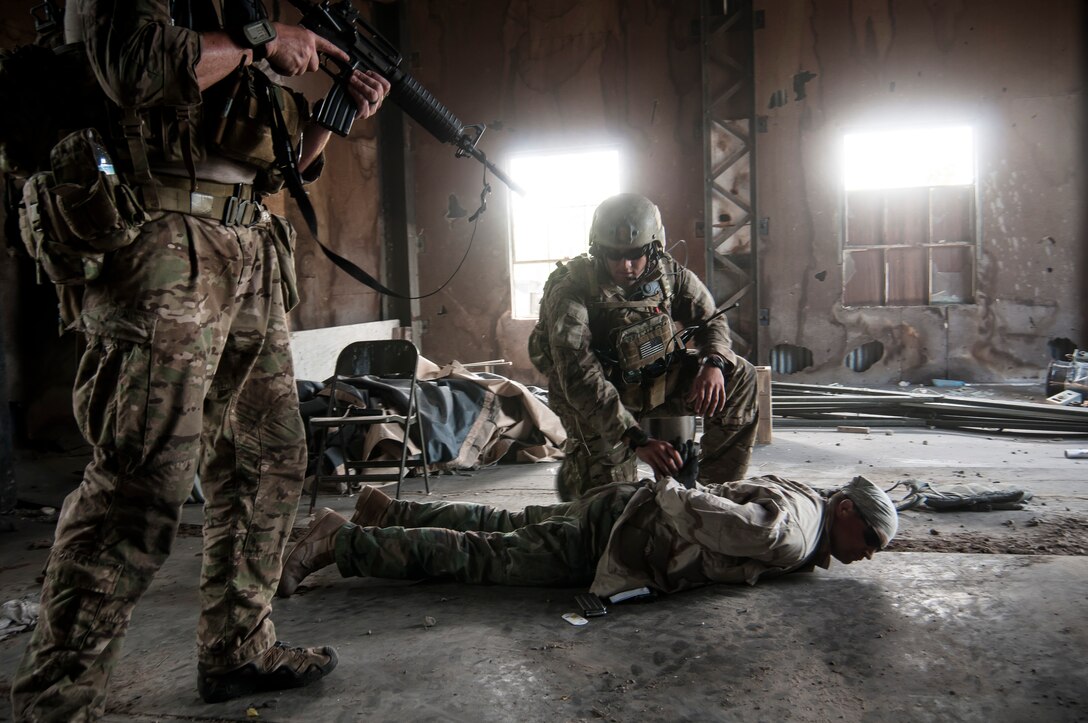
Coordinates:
x,y
652,270
654,253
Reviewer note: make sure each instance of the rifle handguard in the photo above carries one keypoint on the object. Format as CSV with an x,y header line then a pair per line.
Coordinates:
x,y
425,109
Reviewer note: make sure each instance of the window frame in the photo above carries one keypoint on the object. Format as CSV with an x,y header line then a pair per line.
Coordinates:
x,y
944,260
588,207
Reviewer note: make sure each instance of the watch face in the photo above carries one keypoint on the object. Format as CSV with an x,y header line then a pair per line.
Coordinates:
x,y
260,32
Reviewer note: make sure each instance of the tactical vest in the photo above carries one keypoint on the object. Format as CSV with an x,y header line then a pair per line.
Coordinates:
x,y
632,334
234,120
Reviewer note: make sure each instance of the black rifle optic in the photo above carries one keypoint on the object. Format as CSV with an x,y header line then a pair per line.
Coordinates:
x,y
339,23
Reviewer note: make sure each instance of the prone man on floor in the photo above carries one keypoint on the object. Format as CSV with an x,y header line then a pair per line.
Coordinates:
x,y
664,534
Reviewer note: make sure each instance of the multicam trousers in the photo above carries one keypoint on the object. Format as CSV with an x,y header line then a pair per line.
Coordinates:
x,y
556,545
187,368
726,444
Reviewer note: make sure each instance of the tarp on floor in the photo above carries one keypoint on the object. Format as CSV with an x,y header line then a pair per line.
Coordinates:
x,y
470,419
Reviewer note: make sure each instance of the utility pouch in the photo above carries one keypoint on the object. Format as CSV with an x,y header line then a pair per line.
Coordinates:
x,y
97,209
644,342
79,211
47,238
539,354
283,237
242,129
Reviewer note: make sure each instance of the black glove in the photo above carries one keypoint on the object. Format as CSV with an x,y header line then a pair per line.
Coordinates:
x,y
690,455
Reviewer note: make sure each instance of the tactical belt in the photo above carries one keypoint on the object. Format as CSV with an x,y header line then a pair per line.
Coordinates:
x,y
232,204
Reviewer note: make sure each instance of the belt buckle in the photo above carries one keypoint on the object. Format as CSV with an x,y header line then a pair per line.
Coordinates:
x,y
231,211
241,212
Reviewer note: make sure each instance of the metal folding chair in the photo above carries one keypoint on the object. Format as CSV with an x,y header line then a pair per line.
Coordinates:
x,y
354,407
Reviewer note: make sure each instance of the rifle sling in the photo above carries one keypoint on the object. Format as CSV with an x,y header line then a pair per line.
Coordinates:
x,y
293,179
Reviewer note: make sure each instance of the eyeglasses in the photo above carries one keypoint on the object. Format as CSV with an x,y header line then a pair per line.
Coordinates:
x,y
869,534
871,538
628,255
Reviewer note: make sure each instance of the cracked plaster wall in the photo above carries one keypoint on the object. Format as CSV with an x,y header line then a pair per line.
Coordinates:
x,y
1013,70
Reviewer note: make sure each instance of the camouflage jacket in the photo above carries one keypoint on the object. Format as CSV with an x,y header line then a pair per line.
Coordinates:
x,y
567,333
670,538
143,61
140,57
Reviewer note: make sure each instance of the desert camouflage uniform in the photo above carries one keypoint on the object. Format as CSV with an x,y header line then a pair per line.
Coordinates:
x,y
670,538
595,411
618,537
187,369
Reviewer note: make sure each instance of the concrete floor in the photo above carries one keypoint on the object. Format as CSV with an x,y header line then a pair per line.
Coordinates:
x,y
915,635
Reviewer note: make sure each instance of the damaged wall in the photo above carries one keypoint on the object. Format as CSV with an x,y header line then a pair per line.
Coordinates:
x,y
1012,70
347,202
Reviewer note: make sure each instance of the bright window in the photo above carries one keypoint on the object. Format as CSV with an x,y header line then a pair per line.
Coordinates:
x,y
910,158
551,221
909,231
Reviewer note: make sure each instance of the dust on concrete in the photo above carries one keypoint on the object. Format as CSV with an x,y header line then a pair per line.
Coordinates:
x,y
1040,535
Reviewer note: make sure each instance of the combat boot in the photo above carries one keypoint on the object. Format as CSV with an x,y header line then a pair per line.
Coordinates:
x,y
278,668
316,549
371,507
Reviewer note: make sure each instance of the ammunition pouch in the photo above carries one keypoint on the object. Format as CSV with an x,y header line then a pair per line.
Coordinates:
x,y
539,354
242,129
76,213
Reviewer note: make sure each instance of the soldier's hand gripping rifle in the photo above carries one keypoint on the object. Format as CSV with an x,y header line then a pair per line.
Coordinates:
x,y
339,23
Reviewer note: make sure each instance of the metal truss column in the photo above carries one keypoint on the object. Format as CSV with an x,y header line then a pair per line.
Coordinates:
x,y
729,123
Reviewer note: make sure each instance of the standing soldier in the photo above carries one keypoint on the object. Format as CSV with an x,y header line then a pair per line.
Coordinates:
x,y
608,342
186,282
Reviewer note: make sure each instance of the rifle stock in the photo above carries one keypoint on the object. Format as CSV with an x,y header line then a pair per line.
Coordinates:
x,y
339,22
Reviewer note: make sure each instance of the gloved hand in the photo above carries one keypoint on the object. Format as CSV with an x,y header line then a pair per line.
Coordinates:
x,y
690,454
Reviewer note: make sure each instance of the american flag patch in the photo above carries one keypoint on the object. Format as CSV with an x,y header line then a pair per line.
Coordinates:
x,y
649,348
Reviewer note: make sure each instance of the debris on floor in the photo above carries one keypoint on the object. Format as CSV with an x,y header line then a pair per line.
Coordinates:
x,y
959,497
17,616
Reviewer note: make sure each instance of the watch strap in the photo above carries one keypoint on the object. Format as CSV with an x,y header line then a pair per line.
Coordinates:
x,y
636,438
257,35
713,360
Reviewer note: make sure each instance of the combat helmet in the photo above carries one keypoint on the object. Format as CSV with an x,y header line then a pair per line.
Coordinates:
x,y
626,222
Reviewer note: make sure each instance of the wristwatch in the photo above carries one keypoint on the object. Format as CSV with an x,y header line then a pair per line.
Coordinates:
x,y
713,360
636,438
257,36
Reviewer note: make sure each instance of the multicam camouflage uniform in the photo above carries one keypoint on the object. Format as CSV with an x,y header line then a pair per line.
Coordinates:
x,y
580,308
617,537
187,369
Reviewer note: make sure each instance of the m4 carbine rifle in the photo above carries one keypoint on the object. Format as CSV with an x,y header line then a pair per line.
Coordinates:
x,y
339,23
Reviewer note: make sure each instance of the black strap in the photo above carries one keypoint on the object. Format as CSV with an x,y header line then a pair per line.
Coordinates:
x,y
285,158
358,274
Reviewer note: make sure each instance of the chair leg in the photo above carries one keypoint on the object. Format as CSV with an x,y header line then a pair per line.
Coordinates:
x,y
321,449
423,453
403,459
404,445
317,471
